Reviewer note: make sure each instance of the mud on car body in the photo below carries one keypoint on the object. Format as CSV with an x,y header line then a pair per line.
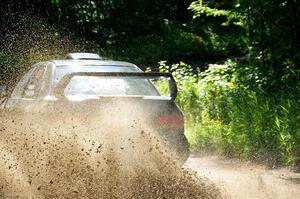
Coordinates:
x,y
113,90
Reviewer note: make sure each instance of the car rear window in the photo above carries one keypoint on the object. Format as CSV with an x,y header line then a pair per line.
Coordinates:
x,y
86,86
109,86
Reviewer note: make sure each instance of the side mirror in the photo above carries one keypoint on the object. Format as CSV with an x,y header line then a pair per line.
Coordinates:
x,y
3,91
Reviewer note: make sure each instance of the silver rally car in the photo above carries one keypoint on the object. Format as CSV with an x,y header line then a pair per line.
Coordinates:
x,y
102,89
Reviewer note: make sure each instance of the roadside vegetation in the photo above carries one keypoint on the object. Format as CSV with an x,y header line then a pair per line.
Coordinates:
x,y
236,62
228,111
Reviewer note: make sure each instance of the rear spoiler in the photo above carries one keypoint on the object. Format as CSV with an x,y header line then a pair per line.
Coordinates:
x,y
59,90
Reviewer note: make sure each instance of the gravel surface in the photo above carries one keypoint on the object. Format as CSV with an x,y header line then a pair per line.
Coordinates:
x,y
245,180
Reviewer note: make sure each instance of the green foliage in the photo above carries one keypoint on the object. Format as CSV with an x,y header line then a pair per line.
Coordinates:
x,y
223,29
267,24
224,113
235,18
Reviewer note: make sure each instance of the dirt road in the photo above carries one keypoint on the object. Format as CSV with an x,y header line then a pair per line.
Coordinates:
x,y
245,180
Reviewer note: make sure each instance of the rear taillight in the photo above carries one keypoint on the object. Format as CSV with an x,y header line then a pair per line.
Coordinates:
x,y
171,121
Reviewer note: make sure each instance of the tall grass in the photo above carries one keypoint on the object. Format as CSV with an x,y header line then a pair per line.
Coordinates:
x,y
225,114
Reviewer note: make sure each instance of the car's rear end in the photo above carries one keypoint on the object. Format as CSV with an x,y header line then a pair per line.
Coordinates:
x,y
122,94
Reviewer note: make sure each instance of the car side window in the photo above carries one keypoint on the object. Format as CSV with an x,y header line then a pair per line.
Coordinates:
x,y
34,84
18,90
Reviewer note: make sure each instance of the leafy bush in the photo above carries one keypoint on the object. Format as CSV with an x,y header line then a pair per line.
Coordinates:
x,y
224,113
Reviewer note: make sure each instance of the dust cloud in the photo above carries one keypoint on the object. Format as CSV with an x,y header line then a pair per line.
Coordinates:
x,y
90,154
27,40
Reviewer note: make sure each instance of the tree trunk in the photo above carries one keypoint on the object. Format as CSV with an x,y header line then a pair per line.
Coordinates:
x,y
295,44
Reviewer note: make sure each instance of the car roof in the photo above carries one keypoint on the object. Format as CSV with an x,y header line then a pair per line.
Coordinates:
x,y
85,56
61,63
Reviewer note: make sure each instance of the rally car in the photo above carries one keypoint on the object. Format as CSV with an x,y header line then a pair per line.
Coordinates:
x,y
110,90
